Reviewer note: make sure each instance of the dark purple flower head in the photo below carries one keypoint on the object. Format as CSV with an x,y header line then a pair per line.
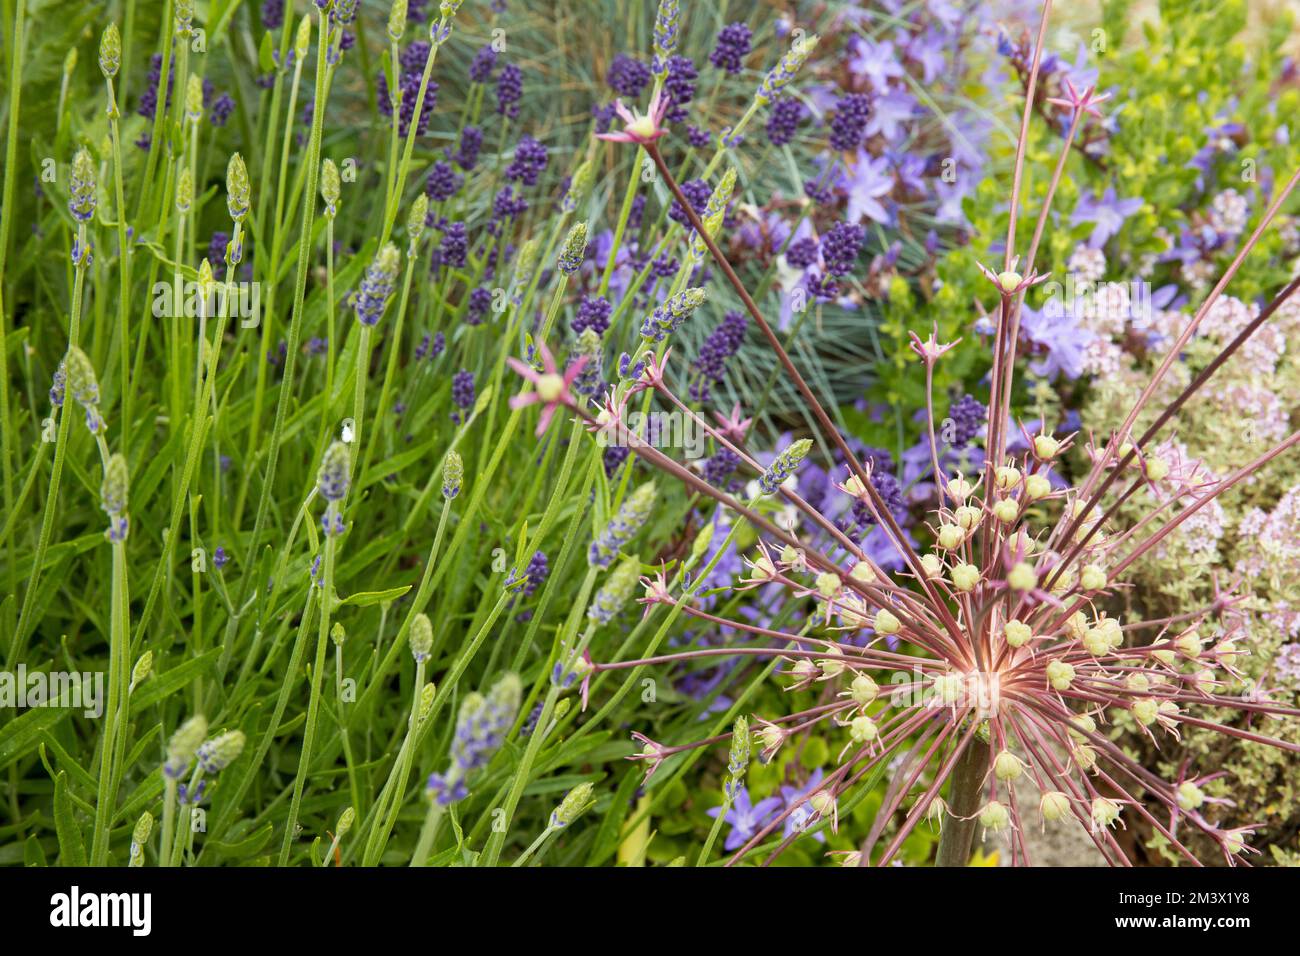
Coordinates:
x,y
510,89
679,87
411,64
462,393
627,76
529,161
484,62
222,107
783,120
850,119
698,192
455,246
710,365
272,14
732,47
471,141
593,313
803,253
443,182
841,246
480,300
968,417
149,98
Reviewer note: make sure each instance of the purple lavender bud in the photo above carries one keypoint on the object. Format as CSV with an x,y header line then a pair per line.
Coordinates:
x,y
222,107
850,119
454,249
669,317
510,89
968,417
529,161
443,182
679,87
480,300
627,76
593,313
335,475
841,246
711,364
377,285
803,253
622,527
471,141
484,62
697,192
732,47
462,393
783,120
272,14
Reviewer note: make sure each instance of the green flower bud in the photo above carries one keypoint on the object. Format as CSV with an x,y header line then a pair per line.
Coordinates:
x,y
329,187
346,819
1007,766
427,695
994,816
575,249
184,188
83,385
618,588
453,473
1054,805
237,188
575,803
1060,674
114,488
183,744
1104,813
302,42
415,222
110,51
218,753
143,827
783,466
194,98
81,189
1190,796
184,18
421,639
397,20
143,668
337,634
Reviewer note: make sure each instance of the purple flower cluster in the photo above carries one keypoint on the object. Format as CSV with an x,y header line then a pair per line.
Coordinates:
x,y
593,313
412,63
783,120
711,364
697,191
510,90
480,300
679,87
471,141
454,249
149,98
734,44
968,417
849,121
484,62
442,183
529,161
627,76
462,394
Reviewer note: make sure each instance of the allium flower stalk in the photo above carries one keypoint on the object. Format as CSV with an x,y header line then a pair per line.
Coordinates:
x,y
1008,659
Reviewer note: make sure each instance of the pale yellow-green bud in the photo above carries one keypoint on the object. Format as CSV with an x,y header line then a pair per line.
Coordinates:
x,y
415,221
1009,281
965,577
1137,682
1145,711
397,20
184,188
1007,477
302,41
863,690
1054,805
194,98
421,638
1017,633
237,188
1189,644
1060,674
827,584
1007,766
886,623
346,819
1104,813
1022,577
1006,510
143,668
1190,796
967,516
863,729
337,634
1095,641
1046,447
1093,578
959,488
1084,756
110,51
863,572
575,803
994,816
931,565
950,536
1037,486
947,687
1157,469
329,187
1081,724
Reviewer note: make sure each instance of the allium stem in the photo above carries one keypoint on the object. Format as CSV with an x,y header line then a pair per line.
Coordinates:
x,y
965,790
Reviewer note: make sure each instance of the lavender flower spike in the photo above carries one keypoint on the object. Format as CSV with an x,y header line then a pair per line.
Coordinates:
x,y
334,476
377,285
667,21
575,249
220,752
784,466
668,318
779,77
81,200
615,592
623,527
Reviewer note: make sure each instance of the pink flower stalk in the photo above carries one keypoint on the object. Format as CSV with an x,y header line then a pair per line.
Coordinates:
x,y
550,387
640,128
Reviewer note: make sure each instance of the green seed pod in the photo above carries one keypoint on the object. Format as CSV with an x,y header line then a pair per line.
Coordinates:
x,y
337,634
421,639
397,20
80,375
415,222
143,827
329,187
110,51
575,248
302,42
114,488
237,188
453,473
575,803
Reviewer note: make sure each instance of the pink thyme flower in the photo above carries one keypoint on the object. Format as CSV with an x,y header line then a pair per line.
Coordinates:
x,y
550,387
641,128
